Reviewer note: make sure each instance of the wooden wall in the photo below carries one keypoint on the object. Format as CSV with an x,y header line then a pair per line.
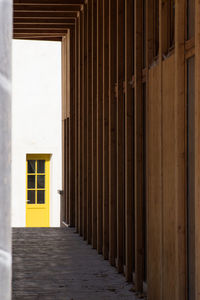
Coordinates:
x,y
126,175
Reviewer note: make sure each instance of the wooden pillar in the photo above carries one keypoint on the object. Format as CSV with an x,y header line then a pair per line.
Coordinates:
x,y
85,118
79,121
112,133
138,149
180,171
197,148
120,138
99,125
94,123
82,123
105,129
76,124
72,131
89,123
129,138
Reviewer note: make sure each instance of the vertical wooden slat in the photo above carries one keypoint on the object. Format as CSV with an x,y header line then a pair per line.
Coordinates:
x,y
197,148
129,138
89,122
180,175
138,149
72,131
85,117
105,129
112,132
120,136
76,124
79,134
99,125
94,123
82,122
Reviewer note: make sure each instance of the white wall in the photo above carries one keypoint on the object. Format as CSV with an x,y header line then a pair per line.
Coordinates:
x,y
36,120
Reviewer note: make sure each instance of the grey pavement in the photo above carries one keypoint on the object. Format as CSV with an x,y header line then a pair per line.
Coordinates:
x,y
56,264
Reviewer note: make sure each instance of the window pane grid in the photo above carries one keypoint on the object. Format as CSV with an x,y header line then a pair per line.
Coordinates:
x,y
39,187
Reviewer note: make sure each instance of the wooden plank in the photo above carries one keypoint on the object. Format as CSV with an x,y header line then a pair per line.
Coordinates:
x,y
39,31
121,259
43,26
47,8
82,124
112,133
197,150
85,124
71,79
50,39
51,21
154,225
89,123
49,2
105,129
99,126
169,162
129,139
94,124
180,129
76,124
138,164
79,123
41,15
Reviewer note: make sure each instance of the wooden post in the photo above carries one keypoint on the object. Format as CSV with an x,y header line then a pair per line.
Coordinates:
x,y
99,125
94,124
112,133
129,139
120,138
89,123
105,129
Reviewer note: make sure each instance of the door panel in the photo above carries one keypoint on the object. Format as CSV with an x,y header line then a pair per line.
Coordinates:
x,y
37,190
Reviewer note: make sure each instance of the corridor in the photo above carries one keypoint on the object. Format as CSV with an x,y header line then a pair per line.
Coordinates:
x,y
55,264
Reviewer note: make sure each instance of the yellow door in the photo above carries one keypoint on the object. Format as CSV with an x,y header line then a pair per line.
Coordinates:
x,y
37,190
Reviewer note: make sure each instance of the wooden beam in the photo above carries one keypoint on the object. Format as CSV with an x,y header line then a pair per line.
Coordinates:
x,y
89,122
53,28
50,39
51,21
129,139
112,133
49,2
39,31
105,129
94,124
41,15
39,34
99,126
46,8
120,137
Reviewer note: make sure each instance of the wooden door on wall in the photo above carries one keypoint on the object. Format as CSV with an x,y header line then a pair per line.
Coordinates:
x,y
37,190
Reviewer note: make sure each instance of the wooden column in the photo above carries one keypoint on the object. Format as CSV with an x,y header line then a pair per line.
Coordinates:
x,y
112,132
129,138
197,148
89,123
85,118
120,137
76,124
72,131
138,164
99,125
94,123
105,129
82,123
180,127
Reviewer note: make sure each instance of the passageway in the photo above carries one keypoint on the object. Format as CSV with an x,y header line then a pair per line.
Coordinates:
x,y
54,263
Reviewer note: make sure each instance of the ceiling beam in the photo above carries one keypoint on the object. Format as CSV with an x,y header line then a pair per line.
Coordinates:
x,y
37,15
43,21
47,8
44,26
39,31
50,39
50,2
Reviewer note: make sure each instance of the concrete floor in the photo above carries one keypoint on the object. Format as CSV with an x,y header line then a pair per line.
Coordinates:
x,y
55,264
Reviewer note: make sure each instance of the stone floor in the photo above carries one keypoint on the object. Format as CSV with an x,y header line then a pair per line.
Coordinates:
x,y
55,264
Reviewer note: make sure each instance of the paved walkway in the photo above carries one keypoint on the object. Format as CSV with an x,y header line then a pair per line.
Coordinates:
x,y
55,264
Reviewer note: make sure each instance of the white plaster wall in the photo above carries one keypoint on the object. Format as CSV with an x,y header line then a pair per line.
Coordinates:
x,y
36,120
